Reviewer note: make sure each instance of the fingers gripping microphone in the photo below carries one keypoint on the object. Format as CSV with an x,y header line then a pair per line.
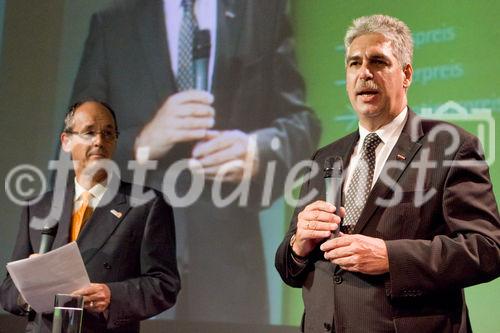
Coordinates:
x,y
333,184
201,54
48,235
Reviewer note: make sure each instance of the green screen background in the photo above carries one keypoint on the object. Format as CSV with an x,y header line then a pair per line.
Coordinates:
x,y
455,59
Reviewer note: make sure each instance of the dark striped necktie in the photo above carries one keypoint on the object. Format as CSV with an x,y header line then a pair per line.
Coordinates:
x,y
185,75
361,183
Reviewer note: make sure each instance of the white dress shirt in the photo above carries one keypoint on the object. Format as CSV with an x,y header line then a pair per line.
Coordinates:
x,y
97,192
206,15
389,134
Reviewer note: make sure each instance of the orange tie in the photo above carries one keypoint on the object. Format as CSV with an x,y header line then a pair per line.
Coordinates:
x,y
81,216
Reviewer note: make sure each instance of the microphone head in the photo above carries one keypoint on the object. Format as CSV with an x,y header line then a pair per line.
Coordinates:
x,y
333,167
50,227
49,232
201,44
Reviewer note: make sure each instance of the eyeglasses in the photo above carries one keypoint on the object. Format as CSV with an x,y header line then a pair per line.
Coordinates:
x,y
107,135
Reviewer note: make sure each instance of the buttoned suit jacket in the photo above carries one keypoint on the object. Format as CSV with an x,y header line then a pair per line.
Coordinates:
x,y
257,89
131,249
436,246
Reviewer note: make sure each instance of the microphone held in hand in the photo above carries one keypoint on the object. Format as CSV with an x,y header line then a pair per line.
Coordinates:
x,y
201,54
48,235
333,183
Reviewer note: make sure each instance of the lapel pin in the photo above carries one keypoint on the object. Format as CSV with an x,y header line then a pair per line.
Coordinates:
x,y
229,14
400,157
116,213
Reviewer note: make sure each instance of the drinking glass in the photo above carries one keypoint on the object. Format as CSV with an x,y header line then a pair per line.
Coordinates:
x,y
68,313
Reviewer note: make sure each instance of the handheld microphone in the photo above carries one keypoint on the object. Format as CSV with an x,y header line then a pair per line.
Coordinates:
x,y
47,239
201,54
333,184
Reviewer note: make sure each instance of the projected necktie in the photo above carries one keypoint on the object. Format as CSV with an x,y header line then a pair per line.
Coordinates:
x,y
185,77
81,215
361,183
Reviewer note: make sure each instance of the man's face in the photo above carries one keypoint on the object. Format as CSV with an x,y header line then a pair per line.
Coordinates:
x,y
375,82
90,141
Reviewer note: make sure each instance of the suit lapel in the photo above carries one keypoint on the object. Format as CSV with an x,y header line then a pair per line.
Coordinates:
x,y
231,17
406,146
347,153
102,224
150,24
63,230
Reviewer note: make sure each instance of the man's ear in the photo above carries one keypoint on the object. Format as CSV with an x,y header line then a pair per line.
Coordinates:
x,y
408,75
66,143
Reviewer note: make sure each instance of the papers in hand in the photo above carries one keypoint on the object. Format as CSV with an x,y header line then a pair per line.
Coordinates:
x,y
39,278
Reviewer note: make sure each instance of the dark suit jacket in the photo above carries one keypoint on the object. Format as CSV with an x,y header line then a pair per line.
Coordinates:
x,y
134,255
435,249
257,89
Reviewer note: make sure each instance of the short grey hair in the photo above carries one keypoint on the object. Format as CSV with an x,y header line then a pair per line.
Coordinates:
x,y
395,30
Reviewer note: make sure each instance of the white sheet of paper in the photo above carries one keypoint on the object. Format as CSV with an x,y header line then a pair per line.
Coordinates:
x,y
38,279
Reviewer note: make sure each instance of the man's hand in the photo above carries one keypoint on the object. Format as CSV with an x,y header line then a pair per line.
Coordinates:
x,y
185,116
315,223
226,155
96,297
357,253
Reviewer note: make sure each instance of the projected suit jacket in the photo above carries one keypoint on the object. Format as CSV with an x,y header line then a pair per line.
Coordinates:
x,y
134,254
435,249
257,89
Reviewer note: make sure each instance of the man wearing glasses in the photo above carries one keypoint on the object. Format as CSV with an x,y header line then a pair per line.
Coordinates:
x,y
128,247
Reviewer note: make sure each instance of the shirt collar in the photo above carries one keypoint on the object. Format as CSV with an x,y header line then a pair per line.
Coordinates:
x,y
388,131
97,190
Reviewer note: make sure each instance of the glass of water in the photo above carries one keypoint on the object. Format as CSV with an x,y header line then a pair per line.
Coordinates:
x,y
68,313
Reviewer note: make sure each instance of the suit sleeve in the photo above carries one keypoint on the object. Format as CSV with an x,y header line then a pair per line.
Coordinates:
x,y
292,272
470,252
157,288
9,295
294,133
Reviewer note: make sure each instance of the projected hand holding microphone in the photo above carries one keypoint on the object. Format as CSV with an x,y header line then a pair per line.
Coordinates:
x,y
229,150
187,115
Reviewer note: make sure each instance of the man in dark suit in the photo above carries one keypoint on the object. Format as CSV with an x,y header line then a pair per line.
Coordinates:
x,y
128,247
253,120
420,221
